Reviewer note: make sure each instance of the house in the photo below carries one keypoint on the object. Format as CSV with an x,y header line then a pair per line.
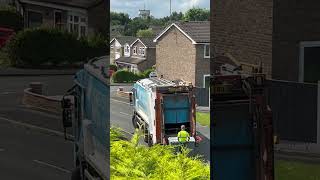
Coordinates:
x,y
138,56
183,52
82,17
281,34
117,46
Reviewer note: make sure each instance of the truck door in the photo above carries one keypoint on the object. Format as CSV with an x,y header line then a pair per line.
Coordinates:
x,y
176,111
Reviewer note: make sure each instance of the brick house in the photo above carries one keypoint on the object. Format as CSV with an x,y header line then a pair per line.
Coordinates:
x,y
183,52
138,56
117,46
78,16
282,35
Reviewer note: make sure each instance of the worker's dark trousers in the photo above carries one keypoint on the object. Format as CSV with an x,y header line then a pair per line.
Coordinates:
x,y
182,145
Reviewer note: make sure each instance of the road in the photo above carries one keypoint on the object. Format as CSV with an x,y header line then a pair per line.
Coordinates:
x,y
25,151
121,113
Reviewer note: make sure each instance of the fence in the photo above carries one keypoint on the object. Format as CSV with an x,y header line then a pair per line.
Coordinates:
x,y
294,108
202,96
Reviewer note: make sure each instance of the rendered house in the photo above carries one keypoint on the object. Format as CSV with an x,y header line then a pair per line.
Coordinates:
x,y
82,17
138,56
183,52
118,45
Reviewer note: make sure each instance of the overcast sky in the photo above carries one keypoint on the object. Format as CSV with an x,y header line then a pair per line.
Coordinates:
x,y
159,8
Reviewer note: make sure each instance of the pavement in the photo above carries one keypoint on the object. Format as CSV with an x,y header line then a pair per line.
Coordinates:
x,y
31,142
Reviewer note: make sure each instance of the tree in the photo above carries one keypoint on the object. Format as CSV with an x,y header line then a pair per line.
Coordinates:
x,y
119,18
197,14
135,25
145,33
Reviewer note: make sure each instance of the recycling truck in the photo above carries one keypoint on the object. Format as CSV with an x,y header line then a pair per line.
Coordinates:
x,y
160,107
86,112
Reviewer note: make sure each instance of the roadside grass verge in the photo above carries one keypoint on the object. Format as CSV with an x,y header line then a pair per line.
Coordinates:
x,y
295,170
203,118
4,59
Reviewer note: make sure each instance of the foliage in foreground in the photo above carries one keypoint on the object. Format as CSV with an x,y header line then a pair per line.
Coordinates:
x,y
295,170
131,160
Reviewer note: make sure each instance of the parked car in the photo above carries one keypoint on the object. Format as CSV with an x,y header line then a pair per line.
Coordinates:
x,y
5,35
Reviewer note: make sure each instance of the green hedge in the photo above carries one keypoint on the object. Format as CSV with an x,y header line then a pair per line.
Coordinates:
x,y
41,46
124,76
131,160
9,18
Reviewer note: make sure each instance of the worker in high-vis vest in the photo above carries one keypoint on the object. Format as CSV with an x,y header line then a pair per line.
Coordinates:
x,y
183,135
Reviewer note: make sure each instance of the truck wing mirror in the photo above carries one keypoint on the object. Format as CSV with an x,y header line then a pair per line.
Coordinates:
x,y
66,112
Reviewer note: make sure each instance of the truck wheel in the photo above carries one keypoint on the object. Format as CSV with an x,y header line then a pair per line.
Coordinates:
x,y
134,121
76,174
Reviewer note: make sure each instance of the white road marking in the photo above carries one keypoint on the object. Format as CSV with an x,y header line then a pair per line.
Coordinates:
x,y
124,114
58,133
52,166
120,101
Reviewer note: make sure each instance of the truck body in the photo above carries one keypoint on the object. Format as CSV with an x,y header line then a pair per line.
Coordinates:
x,y
90,121
160,107
241,130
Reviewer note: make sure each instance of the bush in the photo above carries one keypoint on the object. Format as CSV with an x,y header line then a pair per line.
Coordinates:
x,y
130,160
113,67
40,46
124,76
10,18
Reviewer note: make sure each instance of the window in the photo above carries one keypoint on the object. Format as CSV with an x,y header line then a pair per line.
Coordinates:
x,y
34,19
57,19
135,50
77,24
127,49
141,51
207,51
111,46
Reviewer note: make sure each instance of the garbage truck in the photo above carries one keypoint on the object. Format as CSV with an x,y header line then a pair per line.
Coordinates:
x,y
86,112
161,107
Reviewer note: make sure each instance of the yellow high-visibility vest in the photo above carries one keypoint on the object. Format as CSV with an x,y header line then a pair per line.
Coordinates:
x,y
183,136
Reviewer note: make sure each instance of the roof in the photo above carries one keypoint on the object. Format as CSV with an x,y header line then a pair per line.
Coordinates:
x,y
130,60
147,42
197,31
73,3
124,39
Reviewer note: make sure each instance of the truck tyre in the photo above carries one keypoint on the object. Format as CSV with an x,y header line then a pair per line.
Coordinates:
x,y
76,174
134,121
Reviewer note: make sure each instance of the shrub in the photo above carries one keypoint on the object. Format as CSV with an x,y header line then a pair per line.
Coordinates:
x,y
10,18
124,76
36,47
130,160
113,67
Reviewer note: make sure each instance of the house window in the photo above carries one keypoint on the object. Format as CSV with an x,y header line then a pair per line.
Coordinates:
x,y
77,25
207,51
34,19
141,51
135,50
111,46
57,19
309,63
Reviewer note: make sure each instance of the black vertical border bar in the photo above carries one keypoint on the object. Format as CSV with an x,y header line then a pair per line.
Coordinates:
x,y
212,52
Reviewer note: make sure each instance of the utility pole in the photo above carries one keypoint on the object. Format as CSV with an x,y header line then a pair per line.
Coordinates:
x,y
170,8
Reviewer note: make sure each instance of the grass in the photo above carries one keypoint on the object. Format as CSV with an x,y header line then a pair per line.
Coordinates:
x,y
294,170
203,118
4,60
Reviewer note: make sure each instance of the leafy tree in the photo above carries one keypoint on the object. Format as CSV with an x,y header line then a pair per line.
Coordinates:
x,y
135,25
119,18
145,33
197,14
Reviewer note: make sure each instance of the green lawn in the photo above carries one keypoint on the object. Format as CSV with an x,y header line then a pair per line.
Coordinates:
x,y
291,170
203,118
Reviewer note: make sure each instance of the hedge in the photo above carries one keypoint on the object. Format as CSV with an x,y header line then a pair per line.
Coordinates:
x,y
42,46
131,160
124,76
10,18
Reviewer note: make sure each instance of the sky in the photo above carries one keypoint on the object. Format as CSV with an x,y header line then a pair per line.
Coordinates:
x,y
158,8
